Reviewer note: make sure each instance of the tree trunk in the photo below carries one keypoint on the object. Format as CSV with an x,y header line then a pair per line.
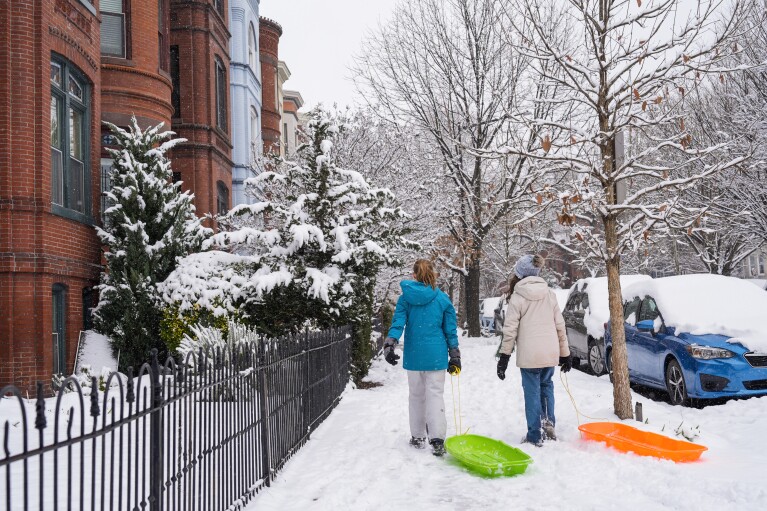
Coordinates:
x,y
619,354
472,297
461,301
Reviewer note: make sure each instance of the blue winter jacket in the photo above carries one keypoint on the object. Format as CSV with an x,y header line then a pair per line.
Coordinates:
x,y
429,321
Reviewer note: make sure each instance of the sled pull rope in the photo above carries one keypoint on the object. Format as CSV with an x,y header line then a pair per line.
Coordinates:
x,y
457,418
578,413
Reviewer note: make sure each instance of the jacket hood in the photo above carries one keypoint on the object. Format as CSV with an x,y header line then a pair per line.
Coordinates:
x,y
532,288
417,293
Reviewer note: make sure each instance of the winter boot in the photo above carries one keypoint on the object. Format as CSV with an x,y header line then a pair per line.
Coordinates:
x,y
437,446
526,441
548,430
418,442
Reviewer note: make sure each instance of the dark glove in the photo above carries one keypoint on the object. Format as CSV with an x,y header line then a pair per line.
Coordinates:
x,y
388,350
503,363
454,364
566,363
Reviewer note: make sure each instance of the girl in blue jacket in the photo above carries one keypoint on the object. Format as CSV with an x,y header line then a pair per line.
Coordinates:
x,y
431,347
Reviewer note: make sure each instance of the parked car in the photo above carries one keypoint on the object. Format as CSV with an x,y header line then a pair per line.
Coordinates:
x,y
586,313
486,314
696,337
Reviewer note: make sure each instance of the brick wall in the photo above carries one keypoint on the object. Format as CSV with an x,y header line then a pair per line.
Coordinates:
x,y
201,35
37,247
269,38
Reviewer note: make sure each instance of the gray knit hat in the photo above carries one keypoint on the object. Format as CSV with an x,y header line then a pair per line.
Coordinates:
x,y
528,266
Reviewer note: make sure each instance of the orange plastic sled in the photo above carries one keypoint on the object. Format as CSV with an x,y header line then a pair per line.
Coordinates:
x,y
627,438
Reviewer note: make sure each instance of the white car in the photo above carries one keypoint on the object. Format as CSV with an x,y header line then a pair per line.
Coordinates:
x,y
586,313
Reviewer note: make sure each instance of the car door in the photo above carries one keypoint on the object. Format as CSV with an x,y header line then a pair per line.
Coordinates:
x,y
571,320
581,339
648,345
630,315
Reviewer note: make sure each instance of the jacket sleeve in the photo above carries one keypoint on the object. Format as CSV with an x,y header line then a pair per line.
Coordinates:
x,y
510,327
564,346
450,325
399,319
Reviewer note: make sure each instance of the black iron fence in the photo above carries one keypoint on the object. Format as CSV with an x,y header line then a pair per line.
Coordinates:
x,y
206,433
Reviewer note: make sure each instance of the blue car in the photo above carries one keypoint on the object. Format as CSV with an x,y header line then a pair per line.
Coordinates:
x,y
662,353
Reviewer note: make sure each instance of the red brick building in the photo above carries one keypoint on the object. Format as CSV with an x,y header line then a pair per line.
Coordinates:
x,y
269,40
64,66
50,85
200,66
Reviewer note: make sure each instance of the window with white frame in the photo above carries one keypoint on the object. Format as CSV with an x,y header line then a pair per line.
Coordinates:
x,y
70,135
113,30
252,49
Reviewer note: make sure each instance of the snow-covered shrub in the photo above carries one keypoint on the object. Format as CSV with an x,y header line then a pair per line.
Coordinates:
x,y
210,340
84,378
209,347
149,225
309,251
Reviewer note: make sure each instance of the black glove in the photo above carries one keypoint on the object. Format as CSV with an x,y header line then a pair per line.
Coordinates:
x,y
454,364
503,363
566,363
388,350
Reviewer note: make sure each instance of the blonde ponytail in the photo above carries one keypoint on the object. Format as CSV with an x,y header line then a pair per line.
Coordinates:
x,y
423,270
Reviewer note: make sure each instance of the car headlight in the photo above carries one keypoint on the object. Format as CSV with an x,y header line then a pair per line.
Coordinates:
x,y
707,352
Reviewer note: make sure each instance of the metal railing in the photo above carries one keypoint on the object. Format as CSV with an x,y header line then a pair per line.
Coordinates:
x,y
206,433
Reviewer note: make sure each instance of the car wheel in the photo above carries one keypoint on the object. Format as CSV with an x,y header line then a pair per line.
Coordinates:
x,y
677,390
596,359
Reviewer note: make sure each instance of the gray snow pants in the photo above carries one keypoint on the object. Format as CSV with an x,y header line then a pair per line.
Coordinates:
x,y
427,406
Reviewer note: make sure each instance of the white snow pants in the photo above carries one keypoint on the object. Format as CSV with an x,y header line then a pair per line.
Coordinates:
x,y
427,405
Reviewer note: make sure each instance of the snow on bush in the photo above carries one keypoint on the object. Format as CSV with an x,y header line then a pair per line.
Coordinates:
x,y
149,224
317,237
709,304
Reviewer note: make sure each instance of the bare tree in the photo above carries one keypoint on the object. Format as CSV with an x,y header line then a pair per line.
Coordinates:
x,y
446,66
736,223
626,70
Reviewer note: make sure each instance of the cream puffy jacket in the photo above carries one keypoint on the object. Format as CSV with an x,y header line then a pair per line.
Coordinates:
x,y
535,324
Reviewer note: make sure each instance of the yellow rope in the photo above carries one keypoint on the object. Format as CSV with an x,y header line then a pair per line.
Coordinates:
x,y
578,413
457,417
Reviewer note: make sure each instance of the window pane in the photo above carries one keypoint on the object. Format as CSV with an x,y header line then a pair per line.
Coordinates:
x,y
252,48
55,128
76,134
649,310
75,89
56,74
76,185
111,6
57,171
113,34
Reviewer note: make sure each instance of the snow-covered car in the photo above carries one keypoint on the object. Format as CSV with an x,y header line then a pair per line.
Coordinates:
x,y
486,313
696,336
586,313
760,283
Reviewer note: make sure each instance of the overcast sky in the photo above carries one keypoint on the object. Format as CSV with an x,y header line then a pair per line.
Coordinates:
x,y
319,39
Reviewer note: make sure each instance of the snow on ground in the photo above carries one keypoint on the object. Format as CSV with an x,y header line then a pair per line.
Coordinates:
x,y
359,458
96,354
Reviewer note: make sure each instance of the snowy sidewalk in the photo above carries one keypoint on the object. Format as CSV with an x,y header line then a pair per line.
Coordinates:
x,y
359,458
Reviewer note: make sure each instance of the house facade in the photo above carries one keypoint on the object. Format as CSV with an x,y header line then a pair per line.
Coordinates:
x,y
292,101
50,137
245,73
269,40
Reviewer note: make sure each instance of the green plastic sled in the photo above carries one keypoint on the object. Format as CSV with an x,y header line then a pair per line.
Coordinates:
x,y
487,456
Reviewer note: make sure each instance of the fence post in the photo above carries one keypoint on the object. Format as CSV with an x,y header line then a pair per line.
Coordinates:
x,y
262,398
156,450
307,385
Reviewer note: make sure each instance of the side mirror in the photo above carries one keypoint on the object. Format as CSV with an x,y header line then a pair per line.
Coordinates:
x,y
646,325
